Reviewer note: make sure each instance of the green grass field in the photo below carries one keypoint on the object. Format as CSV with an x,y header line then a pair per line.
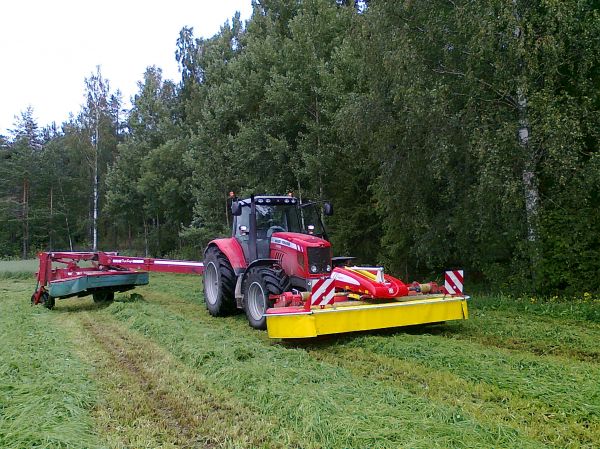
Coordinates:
x,y
18,268
153,369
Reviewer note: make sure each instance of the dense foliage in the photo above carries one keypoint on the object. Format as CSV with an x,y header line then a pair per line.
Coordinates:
x,y
447,133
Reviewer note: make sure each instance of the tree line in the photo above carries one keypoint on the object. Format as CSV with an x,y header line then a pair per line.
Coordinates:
x,y
447,133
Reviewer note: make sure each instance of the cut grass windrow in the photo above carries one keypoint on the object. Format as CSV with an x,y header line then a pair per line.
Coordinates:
x,y
541,335
45,393
556,400
150,399
327,405
566,387
553,399
158,371
485,402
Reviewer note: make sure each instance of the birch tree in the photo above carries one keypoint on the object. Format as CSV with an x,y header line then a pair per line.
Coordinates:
x,y
96,106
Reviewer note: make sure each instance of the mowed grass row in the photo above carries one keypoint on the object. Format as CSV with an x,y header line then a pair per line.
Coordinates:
x,y
79,379
46,392
507,397
150,399
319,404
160,372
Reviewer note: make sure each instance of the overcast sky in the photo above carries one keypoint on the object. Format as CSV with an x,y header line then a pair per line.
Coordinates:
x,y
48,47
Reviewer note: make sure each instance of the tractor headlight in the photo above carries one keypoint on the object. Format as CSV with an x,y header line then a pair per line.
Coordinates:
x,y
313,269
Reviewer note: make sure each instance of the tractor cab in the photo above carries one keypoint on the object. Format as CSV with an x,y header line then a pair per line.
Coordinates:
x,y
257,218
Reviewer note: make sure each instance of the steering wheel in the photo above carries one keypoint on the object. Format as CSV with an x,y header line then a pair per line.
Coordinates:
x,y
274,229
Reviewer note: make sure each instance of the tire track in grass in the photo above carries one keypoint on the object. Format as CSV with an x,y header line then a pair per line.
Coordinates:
x,y
325,405
152,400
167,410
556,390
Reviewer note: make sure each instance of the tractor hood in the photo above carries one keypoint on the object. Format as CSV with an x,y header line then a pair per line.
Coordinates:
x,y
296,240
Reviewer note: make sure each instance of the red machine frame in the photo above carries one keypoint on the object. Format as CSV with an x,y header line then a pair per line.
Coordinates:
x,y
101,264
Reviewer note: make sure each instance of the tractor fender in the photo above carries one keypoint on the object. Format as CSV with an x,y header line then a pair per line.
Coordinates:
x,y
231,248
240,280
261,263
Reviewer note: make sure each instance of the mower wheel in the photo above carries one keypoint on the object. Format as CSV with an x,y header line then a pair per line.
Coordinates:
x,y
261,282
103,296
47,300
219,283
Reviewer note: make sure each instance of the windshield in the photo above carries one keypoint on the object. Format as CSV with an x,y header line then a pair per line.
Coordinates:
x,y
277,218
282,218
310,217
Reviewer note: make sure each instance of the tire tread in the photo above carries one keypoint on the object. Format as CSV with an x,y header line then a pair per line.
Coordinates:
x,y
227,284
275,280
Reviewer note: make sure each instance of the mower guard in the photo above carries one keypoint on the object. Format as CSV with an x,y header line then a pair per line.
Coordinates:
x,y
352,316
87,282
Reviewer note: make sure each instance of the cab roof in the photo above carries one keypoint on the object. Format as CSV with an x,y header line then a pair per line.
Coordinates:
x,y
273,199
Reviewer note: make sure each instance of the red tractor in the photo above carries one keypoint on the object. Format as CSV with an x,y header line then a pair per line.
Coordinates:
x,y
278,267
277,245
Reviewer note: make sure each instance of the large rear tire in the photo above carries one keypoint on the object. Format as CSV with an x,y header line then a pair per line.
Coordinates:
x,y
219,283
258,285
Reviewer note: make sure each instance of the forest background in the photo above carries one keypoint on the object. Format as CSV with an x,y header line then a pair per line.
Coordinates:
x,y
446,133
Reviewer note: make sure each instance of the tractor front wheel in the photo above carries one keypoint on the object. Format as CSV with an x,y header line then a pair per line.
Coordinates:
x,y
258,285
219,283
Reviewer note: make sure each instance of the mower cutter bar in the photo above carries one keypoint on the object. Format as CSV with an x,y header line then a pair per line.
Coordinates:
x,y
349,317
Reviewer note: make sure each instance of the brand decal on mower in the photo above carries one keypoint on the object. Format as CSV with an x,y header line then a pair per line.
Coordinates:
x,y
178,263
125,261
341,277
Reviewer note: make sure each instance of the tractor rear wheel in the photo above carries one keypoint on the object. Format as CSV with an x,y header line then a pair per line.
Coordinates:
x,y
219,283
103,296
258,285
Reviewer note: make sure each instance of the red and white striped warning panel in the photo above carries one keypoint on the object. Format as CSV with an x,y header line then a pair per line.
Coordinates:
x,y
454,282
323,292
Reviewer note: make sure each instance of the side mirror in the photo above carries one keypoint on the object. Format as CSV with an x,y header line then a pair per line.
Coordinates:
x,y
328,209
236,209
